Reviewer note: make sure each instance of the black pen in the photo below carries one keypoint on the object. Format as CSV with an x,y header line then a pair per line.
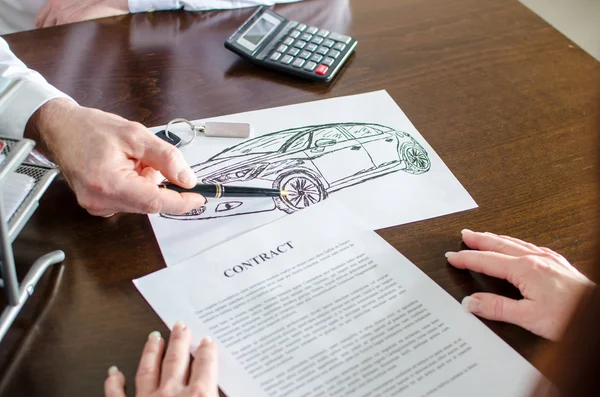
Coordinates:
x,y
218,191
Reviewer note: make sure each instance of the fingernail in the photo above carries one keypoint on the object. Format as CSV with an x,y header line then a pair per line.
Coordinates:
x,y
187,177
108,216
154,336
471,304
113,370
466,231
207,340
179,325
200,200
449,254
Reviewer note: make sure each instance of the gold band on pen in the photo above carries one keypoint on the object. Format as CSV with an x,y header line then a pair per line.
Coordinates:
x,y
219,191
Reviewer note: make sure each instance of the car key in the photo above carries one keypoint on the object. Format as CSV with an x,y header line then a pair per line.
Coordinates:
x,y
173,139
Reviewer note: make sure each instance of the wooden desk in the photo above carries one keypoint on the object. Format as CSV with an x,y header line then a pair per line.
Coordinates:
x,y
509,104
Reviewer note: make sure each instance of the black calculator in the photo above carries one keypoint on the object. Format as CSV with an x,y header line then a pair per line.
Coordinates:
x,y
271,40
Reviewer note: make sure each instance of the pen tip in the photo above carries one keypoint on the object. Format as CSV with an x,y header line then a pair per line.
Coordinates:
x,y
283,193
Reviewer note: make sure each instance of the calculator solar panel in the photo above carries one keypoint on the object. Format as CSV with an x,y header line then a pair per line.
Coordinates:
x,y
271,40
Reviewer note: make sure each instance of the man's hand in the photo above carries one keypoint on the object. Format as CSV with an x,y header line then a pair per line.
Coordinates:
x,y
113,165
550,286
167,375
58,12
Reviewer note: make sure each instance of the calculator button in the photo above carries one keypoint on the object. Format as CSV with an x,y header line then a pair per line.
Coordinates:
x,y
322,50
306,37
293,51
294,34
282,48
339,46
310,66
328,43
300,44
288,41
299,62
317,40
311,47
323,33
287,59
276,56
316,58
312,30
322,69
304,55
301,27
328,61
340,37
334,54
292,24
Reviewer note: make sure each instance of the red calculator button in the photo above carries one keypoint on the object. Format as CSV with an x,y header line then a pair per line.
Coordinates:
x,y
322,69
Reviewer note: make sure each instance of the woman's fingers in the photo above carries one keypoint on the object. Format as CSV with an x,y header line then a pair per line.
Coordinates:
x,y
498,308
492,242
204,377
148,373
550,285
114,385
534,248
177,359
490,263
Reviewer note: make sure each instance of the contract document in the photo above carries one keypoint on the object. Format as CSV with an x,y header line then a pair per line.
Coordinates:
x,y
316,304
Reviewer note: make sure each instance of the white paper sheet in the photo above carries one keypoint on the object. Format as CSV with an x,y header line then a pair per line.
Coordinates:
x,y
315,304
370,157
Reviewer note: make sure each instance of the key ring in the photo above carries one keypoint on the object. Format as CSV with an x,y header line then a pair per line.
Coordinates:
x,y
195,129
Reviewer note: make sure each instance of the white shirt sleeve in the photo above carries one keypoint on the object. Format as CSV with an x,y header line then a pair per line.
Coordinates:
x,y
33,93
198,5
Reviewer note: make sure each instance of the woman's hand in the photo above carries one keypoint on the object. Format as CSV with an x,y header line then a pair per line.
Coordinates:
x,y
168,376
550,285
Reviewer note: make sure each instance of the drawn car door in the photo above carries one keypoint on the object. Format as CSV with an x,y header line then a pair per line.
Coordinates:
x,y
382,146
336,156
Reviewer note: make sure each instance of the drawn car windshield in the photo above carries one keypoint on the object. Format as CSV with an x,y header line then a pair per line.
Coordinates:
x,y
361,131
266,144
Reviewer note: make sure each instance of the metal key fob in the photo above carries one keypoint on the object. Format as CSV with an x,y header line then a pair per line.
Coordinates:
x,y
227,129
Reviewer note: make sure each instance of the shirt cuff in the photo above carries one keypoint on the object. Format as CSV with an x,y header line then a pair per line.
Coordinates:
x,y
153,5
22,104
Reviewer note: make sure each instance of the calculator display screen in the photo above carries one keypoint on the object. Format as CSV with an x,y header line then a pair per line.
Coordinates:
x,y
257,32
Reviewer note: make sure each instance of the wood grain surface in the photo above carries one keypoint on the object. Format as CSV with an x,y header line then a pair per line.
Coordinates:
x,y
510,105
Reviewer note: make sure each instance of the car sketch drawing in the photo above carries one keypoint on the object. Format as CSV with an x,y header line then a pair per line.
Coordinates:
x,y
309,162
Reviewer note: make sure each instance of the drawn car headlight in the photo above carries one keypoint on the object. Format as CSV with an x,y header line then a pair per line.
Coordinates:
x,y
239,175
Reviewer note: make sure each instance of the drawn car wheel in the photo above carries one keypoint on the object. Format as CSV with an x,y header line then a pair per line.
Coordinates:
x,y
303,190
416,158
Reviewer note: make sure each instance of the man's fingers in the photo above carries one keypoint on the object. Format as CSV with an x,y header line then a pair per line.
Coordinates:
x,y
497,308
492,242
148,374
490,263
204,377
42,15
143,196
103,213
165,158
152,175
50,20
177,358
114,385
